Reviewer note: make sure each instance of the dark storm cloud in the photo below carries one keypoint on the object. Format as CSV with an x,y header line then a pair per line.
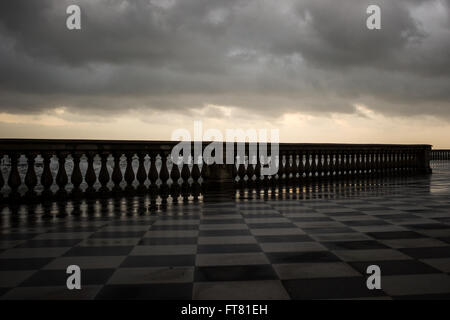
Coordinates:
x,y
263,56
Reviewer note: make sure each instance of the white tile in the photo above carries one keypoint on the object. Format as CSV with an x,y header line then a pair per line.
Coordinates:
x,y
314,270
163,250
231,259
240,290
152,275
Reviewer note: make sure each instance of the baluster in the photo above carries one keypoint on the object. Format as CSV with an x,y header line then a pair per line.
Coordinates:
x,y
196,174
129,173
289,168
313,167
395,162
116,175
307,167
258,178
338,164
46,177
30,177
2,181
153,177
141,175
76,177
332,164
14,180
365,162
61,175
300,167
344,163
325,164
386,162
369,164
404,162
175,187
358,163
283,173
375,164
90,176
164,175
351,163
185,174
103,176
401,162
241,172
250,172
320,159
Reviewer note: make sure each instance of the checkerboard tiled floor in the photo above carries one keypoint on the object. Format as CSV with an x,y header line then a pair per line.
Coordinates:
x,y
247,249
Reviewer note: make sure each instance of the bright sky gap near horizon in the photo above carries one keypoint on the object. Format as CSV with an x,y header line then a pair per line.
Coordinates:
x,y
141,69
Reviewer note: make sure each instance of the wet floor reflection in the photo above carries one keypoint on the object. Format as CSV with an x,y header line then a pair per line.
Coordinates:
x,y
435,185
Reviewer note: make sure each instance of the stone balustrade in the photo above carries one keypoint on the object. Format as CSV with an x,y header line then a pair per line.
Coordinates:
x,y
440,154
36,170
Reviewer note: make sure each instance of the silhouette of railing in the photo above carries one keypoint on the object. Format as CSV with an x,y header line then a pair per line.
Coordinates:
x,y
440,154
35,169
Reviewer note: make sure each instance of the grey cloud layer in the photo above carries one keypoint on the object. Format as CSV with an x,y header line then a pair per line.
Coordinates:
x,y
260,55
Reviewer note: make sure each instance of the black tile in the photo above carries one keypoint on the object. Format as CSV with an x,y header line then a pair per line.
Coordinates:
x,y
99,251
399,216
23,264
75,229
354,245
328,230
297,257
59,277
391,235
17,236
256,214
168,241
117,235
158,260
310,219
131,223
269,225
174,227
227,248
428,226
330,288
49,243
222,221
445,239
345,214
373,209
362,223
235,273
428,252
284,238
166,291
395,267
220,233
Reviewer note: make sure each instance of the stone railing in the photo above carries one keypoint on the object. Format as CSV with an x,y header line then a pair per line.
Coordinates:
x,y
440,154
59,169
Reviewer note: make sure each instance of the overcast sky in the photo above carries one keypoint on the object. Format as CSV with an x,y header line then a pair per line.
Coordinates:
x,y
140,69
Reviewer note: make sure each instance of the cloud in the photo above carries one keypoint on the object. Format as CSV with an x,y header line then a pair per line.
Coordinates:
x,y
258,56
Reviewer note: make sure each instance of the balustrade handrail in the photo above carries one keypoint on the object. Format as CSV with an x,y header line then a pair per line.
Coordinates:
x,y
297,163
82,144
